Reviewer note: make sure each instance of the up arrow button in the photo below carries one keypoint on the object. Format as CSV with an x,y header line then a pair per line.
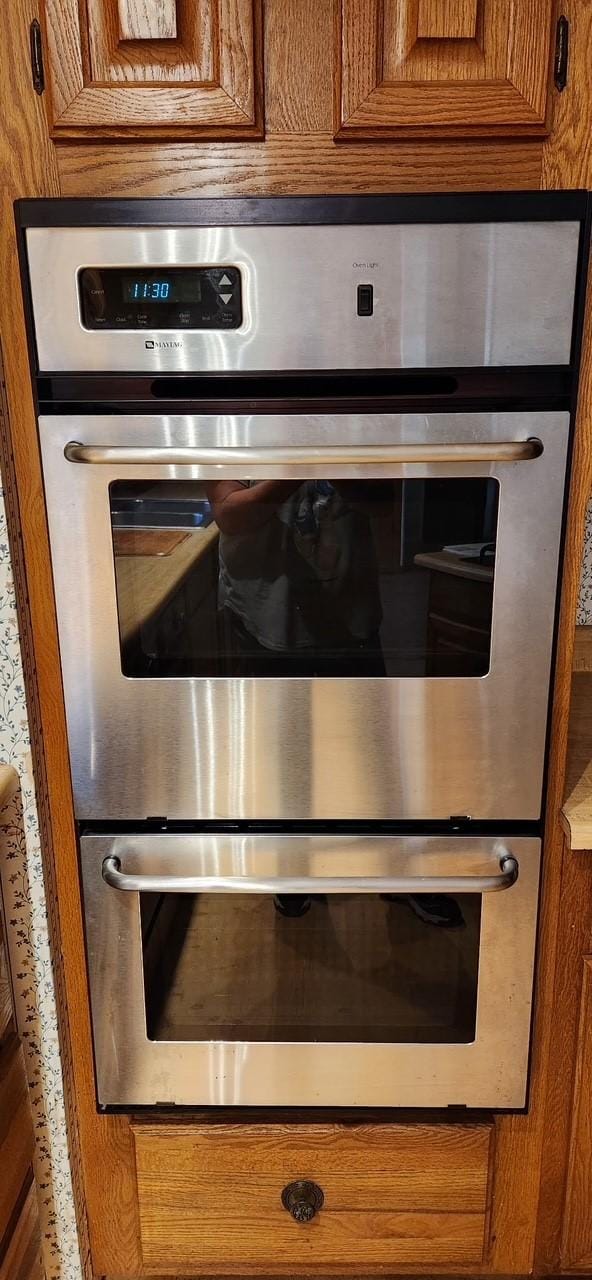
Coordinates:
x,y
223,281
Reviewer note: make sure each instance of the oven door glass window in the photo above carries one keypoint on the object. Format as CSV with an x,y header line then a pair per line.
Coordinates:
x,y
323,578
352,967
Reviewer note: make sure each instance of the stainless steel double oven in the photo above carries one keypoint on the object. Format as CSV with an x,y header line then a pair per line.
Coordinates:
x,y
305,464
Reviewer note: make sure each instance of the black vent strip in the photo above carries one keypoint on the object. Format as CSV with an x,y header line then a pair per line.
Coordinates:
x,y
331,391
313,386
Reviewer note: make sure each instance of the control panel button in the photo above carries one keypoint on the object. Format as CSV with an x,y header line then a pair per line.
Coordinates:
x,y
365,299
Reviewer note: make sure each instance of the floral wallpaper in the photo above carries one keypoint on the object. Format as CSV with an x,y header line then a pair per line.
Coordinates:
x,y
24,902
584,616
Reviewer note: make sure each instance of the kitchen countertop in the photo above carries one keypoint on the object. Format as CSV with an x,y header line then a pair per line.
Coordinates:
x,y
576,814
146,582
446,562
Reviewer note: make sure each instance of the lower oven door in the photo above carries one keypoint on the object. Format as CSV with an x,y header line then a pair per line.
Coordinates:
x,y
310,970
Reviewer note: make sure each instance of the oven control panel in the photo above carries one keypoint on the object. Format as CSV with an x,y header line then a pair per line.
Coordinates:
x,y
160,298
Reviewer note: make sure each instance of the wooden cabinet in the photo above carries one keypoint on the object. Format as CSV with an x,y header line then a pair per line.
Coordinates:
x,y
210,1196
444,68
193,68
576,1243
153,68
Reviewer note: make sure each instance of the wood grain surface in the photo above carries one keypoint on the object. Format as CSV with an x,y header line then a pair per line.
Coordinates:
x,y
576,1238
22,1260
393,83
570,1014
16,1135
210,1197
153,543
576,813
147,19
290,164
209,84
447,19
567,162
144,62
299,85
582,655
146,582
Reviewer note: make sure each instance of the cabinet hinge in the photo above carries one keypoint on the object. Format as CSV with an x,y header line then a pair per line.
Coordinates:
x,y
37,72
561,53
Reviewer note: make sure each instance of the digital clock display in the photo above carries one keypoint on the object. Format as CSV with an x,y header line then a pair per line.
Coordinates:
x,y
161,297
178,288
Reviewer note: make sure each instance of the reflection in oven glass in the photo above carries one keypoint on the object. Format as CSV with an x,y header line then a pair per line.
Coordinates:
x,y
361,968
305,578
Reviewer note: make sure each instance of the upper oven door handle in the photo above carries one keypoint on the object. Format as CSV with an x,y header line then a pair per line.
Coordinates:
x,y
306,455
118,879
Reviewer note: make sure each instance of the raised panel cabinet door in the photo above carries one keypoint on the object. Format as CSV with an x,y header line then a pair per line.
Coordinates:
x,y
444,68
154,68
576,1236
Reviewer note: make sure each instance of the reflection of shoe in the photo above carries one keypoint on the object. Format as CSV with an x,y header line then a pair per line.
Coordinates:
x,y
292,904
433,908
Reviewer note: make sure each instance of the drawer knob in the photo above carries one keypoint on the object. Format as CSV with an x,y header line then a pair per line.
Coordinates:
x,y
303,1200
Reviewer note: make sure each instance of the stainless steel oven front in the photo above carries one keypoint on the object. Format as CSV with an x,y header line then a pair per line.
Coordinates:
x,y
207,988
305,465
297,617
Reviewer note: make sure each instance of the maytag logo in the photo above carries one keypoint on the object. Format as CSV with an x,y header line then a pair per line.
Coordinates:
x,y
154,345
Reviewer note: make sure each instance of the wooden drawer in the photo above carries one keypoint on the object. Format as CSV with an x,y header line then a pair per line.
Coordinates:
x,y
209,1195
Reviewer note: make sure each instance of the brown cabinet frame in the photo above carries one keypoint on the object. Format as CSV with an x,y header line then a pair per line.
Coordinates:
x,y
526,1146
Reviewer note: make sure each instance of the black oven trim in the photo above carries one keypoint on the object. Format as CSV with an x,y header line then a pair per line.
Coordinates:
x,y
378,391
479,206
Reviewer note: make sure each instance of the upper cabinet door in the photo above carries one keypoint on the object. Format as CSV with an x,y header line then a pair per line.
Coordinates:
x,y
444,68
154,68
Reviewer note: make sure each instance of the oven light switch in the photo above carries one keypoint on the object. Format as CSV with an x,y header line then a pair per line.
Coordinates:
x,y
365,299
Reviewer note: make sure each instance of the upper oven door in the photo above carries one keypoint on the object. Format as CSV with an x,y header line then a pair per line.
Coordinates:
x,y
300,617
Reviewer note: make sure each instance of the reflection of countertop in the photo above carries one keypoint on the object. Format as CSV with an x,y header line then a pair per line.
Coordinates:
x,y
576,814
446,562
8,783
146,583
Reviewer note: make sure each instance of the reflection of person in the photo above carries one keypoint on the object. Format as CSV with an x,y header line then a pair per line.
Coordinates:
x,y
298,577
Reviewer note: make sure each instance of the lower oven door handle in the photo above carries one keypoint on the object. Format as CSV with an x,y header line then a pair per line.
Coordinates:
x,y
118,879
306,455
